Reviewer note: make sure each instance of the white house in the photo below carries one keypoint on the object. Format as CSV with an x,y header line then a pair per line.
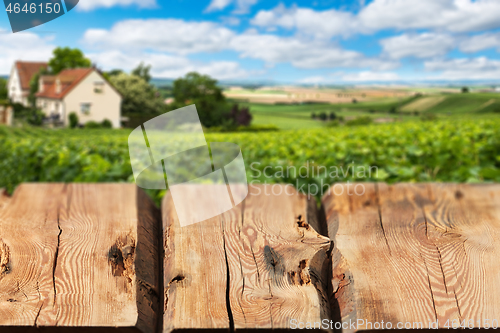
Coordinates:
x,y
19,80
80,90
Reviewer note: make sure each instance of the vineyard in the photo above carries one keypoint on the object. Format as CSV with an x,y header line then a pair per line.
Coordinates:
x,y
445,150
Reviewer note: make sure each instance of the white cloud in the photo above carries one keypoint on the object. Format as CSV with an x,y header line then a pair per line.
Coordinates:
x,y
23,46
368,76
87,5
480,68
242,6
321,24
168,35
314,80
302,53
451,15
167,66
218,5
481,42
231,20
425,45
195,37
443,15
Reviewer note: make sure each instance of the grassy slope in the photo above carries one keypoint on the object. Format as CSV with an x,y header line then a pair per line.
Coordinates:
x,y
299,116
466,103
454,105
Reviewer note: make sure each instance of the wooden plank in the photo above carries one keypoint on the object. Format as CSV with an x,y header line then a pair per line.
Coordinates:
x,y
79,256
257,266
415,254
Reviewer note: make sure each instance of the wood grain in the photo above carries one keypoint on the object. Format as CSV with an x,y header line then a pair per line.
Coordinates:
x,y
79,256
257,266
416,254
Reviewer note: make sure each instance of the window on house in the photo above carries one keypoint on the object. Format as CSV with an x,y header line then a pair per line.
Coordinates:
x,y
85,108
99,87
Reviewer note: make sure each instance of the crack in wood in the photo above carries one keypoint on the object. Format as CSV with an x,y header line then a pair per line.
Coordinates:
x,y
458,306
379,208
430,287
56,256
228,281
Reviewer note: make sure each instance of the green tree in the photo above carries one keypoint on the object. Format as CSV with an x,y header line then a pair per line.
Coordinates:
x,y
73,120
34,85
3,89
109,74
65,57
465,90
202,91
142,71
138,95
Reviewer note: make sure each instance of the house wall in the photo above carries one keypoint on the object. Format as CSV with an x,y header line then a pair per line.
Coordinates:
x,y
14,87
104,105
50,106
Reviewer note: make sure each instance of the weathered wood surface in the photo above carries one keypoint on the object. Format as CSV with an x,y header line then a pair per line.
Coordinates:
x,y
416,254
90,256
79,256
258,266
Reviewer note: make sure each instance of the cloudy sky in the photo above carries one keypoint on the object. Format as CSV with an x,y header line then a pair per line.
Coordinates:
x,y
323,41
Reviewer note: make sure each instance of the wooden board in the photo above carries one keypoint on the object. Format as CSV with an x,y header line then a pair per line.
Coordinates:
x,y
257,266
415,254
79,256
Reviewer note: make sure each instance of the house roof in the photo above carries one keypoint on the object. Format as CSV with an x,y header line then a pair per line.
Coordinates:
x,y
68,79
27,70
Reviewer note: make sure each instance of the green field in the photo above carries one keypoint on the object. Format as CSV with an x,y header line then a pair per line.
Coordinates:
x,y
298,116
453,150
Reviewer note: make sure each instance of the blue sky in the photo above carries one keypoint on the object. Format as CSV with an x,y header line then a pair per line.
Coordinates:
x,y
321,41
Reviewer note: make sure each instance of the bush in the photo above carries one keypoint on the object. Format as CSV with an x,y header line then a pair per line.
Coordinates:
x,y
36,118
240,116
206,94
20,111
137,119
428,117
92,125
404,152
465,90
333,123
333,116
354,101
393,110
239,129
371,111
364,120
323,116
416,113
73,120
313,115
106,123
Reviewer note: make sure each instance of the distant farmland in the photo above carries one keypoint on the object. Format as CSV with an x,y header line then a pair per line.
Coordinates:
x,y
291,95
455,103
410,108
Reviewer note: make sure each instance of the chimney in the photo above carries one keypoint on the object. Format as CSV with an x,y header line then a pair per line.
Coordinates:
x,y
58,86
40,84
